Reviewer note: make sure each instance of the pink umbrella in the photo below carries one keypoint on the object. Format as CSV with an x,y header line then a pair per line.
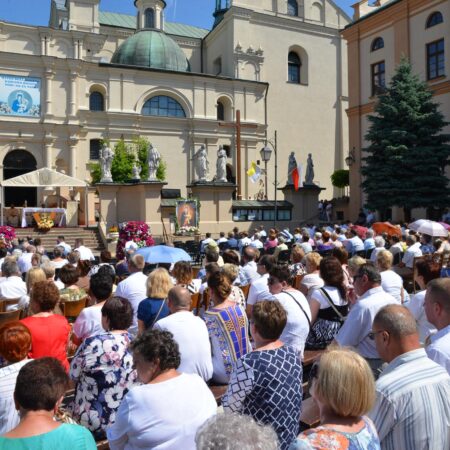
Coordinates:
x,y
445,225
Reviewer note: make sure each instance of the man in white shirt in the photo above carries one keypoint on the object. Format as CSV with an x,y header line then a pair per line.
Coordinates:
x,y
222,239
189,332
259,289
85,253
405,267
60,241
412,392
89,321
58,261
355,242
205,242
369,243
357,328
13,286
134,288
256,242
244,241
437,309
24,262
248,272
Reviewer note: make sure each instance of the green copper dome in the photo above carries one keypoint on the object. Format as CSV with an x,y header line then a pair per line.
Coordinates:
x,y
151,48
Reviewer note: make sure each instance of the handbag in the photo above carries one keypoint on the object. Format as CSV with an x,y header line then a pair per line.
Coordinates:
x,y
340,317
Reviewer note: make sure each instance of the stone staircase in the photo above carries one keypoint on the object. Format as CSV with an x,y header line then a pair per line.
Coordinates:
x,y
91,237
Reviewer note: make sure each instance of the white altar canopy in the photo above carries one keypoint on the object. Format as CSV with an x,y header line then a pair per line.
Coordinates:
x,y
44,177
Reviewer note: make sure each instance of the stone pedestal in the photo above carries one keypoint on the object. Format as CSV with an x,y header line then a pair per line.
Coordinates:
x,y
216,205
72,213
305,202
123,202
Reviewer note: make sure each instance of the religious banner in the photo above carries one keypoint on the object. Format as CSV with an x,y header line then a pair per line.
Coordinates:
x,y
187,214
20,96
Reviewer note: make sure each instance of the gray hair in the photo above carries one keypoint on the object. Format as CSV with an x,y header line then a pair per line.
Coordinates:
x,y
411,239
235,432
281,240
49,269
379,241
10,268
17,253
231,271
396,320
369,234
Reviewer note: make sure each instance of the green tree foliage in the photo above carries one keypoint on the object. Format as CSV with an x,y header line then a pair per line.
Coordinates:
x,y
161,171
122,163
340,178
407,155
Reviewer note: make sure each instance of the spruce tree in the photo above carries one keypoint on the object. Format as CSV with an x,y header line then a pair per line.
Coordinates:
x,y
406,159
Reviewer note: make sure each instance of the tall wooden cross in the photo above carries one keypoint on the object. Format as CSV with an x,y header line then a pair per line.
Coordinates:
x,y
238,127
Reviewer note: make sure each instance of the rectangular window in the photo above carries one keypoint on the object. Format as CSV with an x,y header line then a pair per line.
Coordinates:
x,y
378,78
284,214
435,59
94,148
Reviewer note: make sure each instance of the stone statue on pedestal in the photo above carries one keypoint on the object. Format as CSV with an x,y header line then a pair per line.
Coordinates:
x,y
136,172
153,160
221,165
201,163
309,176
292,165
106,157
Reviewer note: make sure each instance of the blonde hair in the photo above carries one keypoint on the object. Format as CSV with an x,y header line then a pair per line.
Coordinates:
x,y
355,263
297,254
33,275
384,260
313,261
344,383
231,271
159,283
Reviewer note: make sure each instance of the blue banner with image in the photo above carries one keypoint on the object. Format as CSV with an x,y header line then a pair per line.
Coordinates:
x,y
20,96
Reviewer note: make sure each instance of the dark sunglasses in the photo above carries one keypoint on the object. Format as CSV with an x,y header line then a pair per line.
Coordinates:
x,y
373,333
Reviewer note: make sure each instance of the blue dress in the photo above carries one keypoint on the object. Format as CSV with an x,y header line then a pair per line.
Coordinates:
x,y
267,385
148,311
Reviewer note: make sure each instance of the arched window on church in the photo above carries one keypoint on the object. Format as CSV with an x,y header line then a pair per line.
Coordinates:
x,y
377,43
164,106
292,8
149,18
220,111
96,101
294,64
434,19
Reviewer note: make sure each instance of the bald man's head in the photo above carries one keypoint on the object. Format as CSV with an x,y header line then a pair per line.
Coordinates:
x,y
179,299
396,320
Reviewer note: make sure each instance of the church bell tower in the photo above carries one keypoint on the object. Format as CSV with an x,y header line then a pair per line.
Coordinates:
x,y
221,8
150,14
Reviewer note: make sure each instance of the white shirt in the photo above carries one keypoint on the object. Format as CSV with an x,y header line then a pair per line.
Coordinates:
x,y
85,253
259,290
334,294
415,305
396,248
192,337
312,281
59,264
244,242
439,349
297,327
163,415
222,239
412,252
375,251
357,245
392,283
24,262
134,289
9,416
248,273
256,243
88,323
67,248
356,329
12,287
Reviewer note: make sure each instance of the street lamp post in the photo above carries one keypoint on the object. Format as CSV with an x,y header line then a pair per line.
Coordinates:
x,y
266,153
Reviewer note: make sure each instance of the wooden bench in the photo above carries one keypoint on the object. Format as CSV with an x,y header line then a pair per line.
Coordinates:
x,y
310,356
103,445
310,416
218,391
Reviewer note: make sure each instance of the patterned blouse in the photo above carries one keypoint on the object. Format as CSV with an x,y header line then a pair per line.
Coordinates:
x,y
228,331
267,385
327,438
103,371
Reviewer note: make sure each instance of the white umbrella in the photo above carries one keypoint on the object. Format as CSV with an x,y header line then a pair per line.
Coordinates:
x,y
429,227
415,225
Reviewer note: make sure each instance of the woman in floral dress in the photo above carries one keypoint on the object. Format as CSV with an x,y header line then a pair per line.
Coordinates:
x,y
103,369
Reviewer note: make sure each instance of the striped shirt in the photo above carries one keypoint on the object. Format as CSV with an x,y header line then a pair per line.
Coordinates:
x,y
9,417
412,410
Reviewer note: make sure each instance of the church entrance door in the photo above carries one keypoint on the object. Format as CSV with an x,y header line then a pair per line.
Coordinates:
x,y
16,163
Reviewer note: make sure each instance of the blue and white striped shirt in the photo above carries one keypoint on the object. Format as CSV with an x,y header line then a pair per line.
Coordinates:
x,y
412,411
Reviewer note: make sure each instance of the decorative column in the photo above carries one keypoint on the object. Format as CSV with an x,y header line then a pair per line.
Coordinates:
x,y
73,93
73,141
49,73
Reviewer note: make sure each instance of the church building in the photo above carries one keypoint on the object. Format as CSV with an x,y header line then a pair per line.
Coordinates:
x,y
92,75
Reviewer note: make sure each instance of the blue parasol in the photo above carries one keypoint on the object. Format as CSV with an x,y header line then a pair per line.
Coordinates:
x,y
163,254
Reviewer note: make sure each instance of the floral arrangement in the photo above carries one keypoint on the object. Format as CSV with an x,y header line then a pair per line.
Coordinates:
x,y
138,232
182,231
44,221
7,234
113,229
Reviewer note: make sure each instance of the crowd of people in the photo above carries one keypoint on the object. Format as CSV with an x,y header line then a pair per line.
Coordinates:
x,y
142,360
